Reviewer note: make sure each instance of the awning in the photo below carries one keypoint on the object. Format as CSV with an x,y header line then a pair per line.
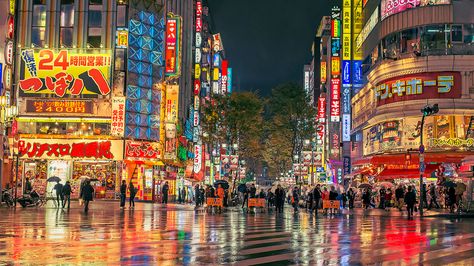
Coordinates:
x,y
388,174
361,171
400,159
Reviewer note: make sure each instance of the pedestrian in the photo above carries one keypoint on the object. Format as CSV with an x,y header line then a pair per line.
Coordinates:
x,y
433,200
183,195
196,195
87,194
333,195
179,196
220,194
28,187
410,200
366,198
451,199
123,194
133,192
253,191
388,198
399,197
261,195
309,200
382,198
351,196
279,199
202,195
58,188
317,194
67,194
164,192
424,196
245,196
344,199
295,199
270,198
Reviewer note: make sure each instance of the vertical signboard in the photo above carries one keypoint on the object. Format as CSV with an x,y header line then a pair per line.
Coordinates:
x,y
356,27
118,117
346,29
172,53
323,72
224,78
335,104
229,80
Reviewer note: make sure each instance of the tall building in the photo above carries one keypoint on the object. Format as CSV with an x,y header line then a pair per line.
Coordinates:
x,y
415,53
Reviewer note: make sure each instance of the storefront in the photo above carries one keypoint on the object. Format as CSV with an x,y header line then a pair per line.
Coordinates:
x,y
72,160
143,167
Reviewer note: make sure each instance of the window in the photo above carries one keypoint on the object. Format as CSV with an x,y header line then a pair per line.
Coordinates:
x,y
456,33
66,23
121,16
468,33
434,38
94,37
38,25
410,41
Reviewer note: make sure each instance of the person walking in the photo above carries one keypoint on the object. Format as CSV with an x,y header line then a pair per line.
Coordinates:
x,y
164,192
123,194
245,200
295,199
351,196
317,194
58,188
366,199
253,191
309,201
382,193
220,194
399,197
279,199
87,194
433,200
424,196
410,200
196,195
67,195
388,198
183,195
28,187
133,192
333,195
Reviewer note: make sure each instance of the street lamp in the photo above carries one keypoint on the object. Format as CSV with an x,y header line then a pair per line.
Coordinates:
x,y
426,111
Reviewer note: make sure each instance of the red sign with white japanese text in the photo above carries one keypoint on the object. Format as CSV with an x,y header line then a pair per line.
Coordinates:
x,y
335,104
142,150
64,107
118,117
419,86
322,109
198,16
171,49
62,73
10,29
71,148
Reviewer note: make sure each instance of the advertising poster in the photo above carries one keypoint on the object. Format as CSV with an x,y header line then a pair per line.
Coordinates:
x,y
64,73
117,127
173,36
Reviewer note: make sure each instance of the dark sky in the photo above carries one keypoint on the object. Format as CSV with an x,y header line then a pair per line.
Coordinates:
x,y
267,42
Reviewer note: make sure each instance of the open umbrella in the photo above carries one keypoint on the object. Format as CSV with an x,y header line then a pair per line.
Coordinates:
x,y
54,179
386,184
223,183
242,188
365,185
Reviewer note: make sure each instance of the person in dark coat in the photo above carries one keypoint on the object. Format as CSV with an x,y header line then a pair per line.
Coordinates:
x,y
279,199
133,192
382,193
317,195
87,194
261,195
399,196
59,194
253,191
351,196
197,196
433,200
296,199
424,196
164,192
245,195
67,194
366,198
123,193
28,186
410,200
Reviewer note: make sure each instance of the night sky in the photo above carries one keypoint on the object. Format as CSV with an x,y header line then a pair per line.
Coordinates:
x,y
267,42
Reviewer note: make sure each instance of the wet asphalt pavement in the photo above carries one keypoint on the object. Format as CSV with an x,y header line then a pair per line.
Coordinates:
x,y
178,235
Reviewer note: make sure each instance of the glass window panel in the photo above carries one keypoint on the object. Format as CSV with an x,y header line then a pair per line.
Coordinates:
x,y
120,59
95,16
94,41
39,15
67,15
95,31
37,36
121,16
468,33
66,36
456,33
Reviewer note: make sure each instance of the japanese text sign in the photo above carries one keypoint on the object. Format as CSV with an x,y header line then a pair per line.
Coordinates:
x,y
118,117
390,7
64,72
335,104
335,66
418,87
198,16
322,109
172,92
172,45
323,72
64,107
70,148
142,150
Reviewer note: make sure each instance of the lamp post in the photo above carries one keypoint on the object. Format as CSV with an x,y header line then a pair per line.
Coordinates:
x,y
426,111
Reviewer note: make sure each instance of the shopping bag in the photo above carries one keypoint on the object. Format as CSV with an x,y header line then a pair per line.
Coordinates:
x,y
81,202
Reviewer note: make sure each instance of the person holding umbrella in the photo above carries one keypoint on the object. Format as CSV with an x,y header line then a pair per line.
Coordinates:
x,y
87,193
66,192
59,193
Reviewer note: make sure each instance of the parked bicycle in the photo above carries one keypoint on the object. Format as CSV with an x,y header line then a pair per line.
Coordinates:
x,y
7,198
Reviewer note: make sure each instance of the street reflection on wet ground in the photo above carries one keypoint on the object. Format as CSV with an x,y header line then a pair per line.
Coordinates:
x,y
176,235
